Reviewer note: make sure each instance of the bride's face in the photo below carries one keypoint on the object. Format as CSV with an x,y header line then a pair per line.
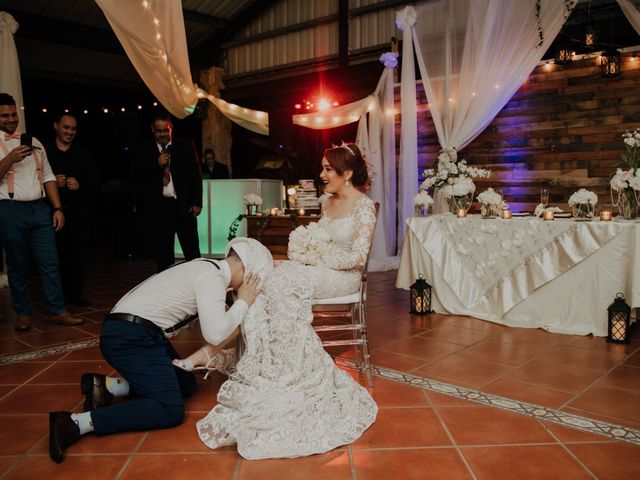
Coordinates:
x,y
333,181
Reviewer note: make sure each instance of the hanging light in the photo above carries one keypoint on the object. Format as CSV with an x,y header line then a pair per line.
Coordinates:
x,y
590,37
610,63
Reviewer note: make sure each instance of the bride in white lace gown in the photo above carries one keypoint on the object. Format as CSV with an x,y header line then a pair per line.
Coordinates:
x,y
286,397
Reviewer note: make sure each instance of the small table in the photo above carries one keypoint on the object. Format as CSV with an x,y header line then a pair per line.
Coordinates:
x,y
273,230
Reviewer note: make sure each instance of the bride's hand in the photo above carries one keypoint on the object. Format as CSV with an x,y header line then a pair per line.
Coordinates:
x,y
249,289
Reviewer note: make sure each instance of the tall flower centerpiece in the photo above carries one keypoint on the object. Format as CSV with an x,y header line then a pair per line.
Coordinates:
x,y
454,179
422,202
626,183
491,203
252,201
583,202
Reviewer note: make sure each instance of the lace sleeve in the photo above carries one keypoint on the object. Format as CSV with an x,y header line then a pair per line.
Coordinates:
x,y
365,222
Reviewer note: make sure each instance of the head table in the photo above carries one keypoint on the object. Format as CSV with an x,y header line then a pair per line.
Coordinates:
x,y
559,275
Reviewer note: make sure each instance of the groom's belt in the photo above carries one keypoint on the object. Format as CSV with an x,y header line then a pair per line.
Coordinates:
x,y
127,317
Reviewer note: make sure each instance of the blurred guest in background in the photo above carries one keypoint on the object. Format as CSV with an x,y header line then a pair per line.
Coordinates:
x,y
212,169
78,181
170,188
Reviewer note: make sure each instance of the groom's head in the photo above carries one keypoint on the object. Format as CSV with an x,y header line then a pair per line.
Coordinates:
x,y
246,255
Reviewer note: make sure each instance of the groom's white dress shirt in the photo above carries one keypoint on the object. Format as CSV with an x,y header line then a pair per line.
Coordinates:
x,y
184,290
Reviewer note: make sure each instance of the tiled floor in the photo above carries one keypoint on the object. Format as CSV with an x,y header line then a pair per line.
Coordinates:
x,y
419,433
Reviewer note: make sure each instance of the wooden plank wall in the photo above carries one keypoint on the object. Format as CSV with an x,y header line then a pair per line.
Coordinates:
x,y
562,129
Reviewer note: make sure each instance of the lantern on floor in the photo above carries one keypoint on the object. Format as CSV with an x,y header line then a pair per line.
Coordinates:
x,y
610,63
420,294
619,316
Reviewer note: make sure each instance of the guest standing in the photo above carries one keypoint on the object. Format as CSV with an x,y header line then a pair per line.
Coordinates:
x,y
212,169
78,181
27,223
170,188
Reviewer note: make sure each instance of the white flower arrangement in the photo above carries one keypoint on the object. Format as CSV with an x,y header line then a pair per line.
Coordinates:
x,y
624,179
252,199
452,177
583,197
307,244
490,198
422,199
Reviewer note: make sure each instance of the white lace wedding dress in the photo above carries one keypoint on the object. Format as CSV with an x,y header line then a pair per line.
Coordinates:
x,y
286,397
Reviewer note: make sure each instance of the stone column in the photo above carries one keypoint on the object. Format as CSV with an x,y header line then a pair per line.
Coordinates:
x,y
216,128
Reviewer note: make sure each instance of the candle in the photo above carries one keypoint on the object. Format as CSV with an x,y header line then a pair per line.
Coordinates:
x,y
619,330
274,211
418,305
506,214
548,215
461,213
301,211
605,216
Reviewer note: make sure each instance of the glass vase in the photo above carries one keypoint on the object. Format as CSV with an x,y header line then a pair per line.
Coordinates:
x,y
583,212
252,209
489,211
458,202
422,210
628,203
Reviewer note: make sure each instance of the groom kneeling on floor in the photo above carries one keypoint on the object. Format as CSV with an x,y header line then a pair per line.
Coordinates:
x,y
134,342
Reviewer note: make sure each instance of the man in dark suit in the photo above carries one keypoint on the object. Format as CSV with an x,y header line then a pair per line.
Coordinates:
x,y
78,181
212,169
169,186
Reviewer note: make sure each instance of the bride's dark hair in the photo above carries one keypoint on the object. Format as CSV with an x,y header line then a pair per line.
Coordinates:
x,y
349,157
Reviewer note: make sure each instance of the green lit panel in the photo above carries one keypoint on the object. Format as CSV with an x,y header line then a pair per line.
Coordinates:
x,y
222,202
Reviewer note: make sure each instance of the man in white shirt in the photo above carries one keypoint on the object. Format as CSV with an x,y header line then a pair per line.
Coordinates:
x,y
134,342
26,222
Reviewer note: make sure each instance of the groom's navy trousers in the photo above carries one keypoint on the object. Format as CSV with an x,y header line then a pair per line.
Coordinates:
x,y
143,357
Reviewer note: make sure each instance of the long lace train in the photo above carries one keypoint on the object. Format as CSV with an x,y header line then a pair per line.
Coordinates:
x,y
286,397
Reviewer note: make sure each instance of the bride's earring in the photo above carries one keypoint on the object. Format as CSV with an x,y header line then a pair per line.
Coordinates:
x,y
347,183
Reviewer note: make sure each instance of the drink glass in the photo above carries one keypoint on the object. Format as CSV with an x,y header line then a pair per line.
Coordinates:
x,y
544,196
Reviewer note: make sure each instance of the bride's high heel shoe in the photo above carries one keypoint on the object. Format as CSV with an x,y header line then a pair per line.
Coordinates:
x,y
224,362
187,365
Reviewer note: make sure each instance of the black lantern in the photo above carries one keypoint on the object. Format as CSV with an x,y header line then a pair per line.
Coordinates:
x,y
610,63
590,37
420,297
564,51
619,316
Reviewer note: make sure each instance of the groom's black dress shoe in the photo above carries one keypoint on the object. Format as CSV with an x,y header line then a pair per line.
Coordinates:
x,y
63,432
94,388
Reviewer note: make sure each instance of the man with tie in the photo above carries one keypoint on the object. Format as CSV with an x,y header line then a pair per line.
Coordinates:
x,y
27,223
169,186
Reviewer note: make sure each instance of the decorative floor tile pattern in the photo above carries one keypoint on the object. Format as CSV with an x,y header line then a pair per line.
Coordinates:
x,y
482,421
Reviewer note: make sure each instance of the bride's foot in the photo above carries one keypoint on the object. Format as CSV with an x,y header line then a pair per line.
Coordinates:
x,y
201,359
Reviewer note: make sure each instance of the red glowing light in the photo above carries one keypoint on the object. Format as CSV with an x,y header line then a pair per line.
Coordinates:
x,y
297,106
323,104
335,104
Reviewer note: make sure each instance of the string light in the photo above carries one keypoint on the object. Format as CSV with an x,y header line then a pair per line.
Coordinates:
x,y
105,110
44,110
85,111
139,107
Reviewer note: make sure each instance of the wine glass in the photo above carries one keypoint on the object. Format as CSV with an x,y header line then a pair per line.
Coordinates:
x,y
544,196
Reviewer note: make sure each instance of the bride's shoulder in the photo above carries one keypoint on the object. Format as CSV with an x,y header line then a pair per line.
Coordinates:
x,y
365,201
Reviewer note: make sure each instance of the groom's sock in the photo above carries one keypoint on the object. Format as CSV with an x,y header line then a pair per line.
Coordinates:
x,y
117,386
84,422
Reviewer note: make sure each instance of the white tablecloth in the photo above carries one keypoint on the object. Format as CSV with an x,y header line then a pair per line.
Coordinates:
x,y
525,272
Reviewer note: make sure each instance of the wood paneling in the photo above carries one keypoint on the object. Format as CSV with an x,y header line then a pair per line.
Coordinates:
x,y
562,129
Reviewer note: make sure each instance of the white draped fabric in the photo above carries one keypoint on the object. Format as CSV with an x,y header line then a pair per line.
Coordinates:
x,y
474,55
631,10
408,167
376,137
10,71
254,120
560,276
152,33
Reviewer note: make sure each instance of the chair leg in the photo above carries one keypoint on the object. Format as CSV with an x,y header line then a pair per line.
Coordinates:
x,y
367,356
355,318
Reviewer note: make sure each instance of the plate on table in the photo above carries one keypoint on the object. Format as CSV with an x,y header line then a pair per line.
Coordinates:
x,y
563,215
520,214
